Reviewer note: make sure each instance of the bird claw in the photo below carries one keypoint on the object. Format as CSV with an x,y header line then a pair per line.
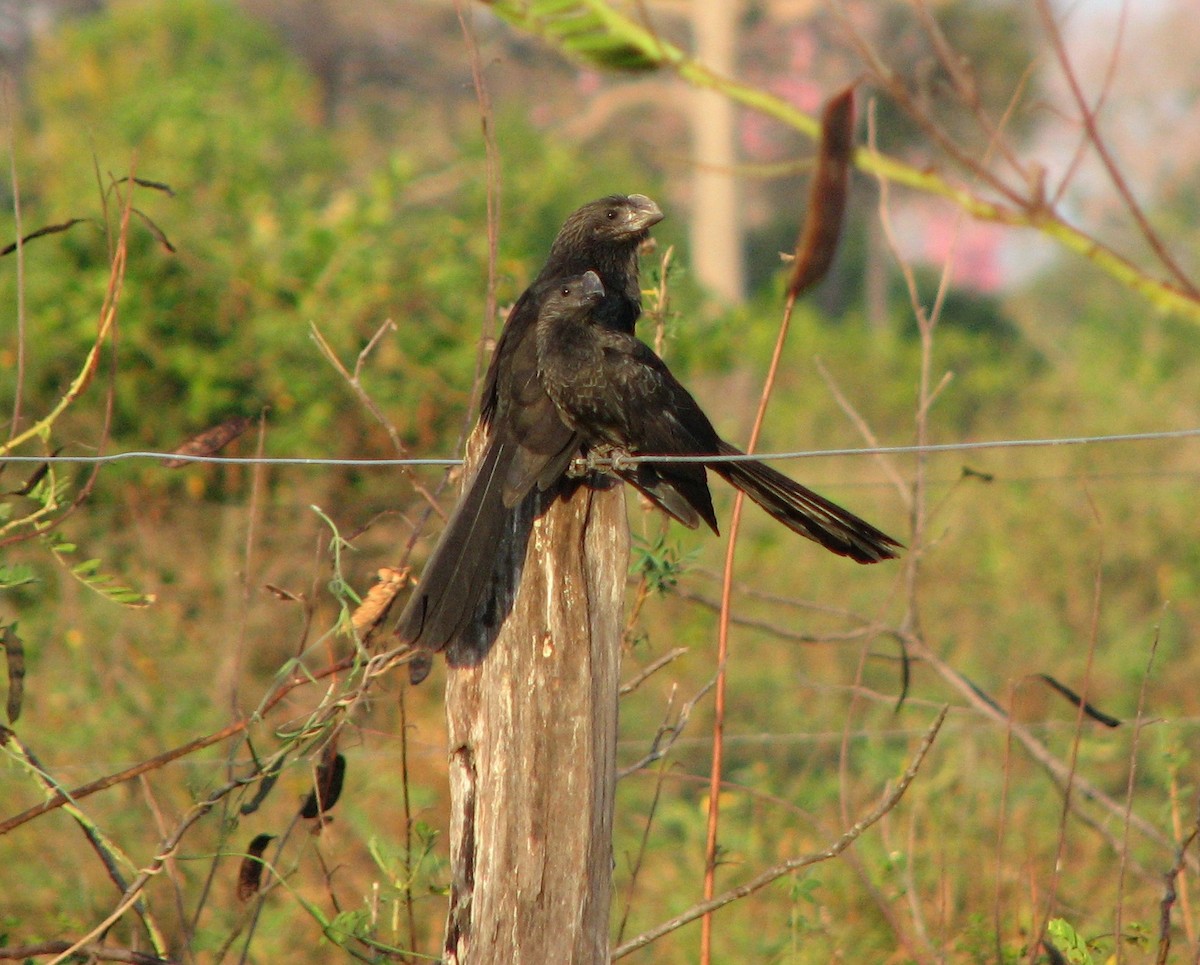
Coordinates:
x,y
601,458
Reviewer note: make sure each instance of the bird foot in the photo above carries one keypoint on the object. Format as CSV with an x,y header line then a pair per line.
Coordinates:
x,y
600,458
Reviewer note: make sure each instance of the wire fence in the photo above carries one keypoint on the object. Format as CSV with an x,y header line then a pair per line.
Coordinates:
x,y
619,460
961,723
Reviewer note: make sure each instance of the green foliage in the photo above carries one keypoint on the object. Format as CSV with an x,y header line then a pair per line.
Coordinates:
x,y
89,573
17,574
277,227
205,99
33,511
417,873
1068,941
659,561
588,31
979,944
195,95
804,919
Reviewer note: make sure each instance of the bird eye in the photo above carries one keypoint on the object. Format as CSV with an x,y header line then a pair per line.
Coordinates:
x,y
566,290
612,214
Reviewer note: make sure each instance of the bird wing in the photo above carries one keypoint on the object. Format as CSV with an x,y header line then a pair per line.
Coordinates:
x,y
633,402
527,419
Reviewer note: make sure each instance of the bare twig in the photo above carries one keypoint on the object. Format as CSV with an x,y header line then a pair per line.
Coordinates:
x,y
1110,71
1130,783
636,866
19,383
353,380
865,431
238,638
492,173
958,68
1088,117
890,800
172,867
897,90
1170,895
714,805
109,854
668,733
1002,824
757,593
378,666
659,311
1073,757
1083,789
815,250
650,670
165,850
93,951
865,630
913,895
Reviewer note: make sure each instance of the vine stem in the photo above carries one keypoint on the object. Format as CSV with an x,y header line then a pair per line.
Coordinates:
x,y
714,787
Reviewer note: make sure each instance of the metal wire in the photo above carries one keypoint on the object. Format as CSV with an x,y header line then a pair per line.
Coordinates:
x,y
619,460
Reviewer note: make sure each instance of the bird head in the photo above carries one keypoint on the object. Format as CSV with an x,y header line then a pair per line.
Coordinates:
x,y
574,295
619,220
591,288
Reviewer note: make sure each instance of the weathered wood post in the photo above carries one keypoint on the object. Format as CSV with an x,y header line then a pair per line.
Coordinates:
x,y
532,731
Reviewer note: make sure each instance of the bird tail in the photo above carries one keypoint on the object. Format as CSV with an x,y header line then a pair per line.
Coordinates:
x,y
804,512
459,570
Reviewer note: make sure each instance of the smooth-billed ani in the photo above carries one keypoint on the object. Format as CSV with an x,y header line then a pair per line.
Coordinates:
x,y
611,390
528,442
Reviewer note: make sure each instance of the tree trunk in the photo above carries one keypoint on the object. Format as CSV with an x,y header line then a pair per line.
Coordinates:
x,y
532,732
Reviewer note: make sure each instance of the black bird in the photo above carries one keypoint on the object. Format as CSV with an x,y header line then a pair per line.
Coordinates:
x,y
612,391
529,445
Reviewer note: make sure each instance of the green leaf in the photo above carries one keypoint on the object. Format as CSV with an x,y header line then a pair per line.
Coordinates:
x,y
588,30
347,925
89,573
19,574
658,562
86,569
1067,941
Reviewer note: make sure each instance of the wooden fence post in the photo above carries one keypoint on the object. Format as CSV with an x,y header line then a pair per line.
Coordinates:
x,y
532,730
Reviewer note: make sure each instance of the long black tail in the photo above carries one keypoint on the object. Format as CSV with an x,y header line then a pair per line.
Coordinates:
x,y
804,512
460,569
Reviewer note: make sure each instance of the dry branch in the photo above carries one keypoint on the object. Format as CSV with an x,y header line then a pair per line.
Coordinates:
x,y
890,800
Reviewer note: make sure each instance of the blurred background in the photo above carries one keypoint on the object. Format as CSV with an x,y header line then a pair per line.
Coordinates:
x,y
328,166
